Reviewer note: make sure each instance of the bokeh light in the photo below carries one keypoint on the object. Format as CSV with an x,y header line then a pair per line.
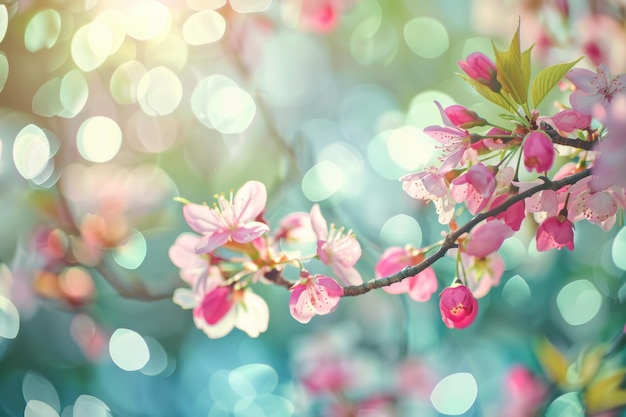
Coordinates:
x,y
128,350
454,394
426,37
31,151
159,91
206,26
99,138
401,230
38,388
578,302
132,253
43,30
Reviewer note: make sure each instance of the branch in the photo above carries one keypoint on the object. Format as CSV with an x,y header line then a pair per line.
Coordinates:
x,y
451,238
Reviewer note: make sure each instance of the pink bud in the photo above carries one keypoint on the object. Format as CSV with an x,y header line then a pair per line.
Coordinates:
x,y
458,307
538,152
555,232
464,118
482,69
570,120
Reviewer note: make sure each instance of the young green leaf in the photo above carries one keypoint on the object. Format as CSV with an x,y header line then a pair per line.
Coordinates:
x,y
510,71
567,405
547,79
606,393
486,92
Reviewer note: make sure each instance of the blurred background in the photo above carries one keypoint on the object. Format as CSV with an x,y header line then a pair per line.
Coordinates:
x,y
111,109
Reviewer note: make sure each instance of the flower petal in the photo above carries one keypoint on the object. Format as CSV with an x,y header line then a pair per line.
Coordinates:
x,y
248,232
201,218
249,201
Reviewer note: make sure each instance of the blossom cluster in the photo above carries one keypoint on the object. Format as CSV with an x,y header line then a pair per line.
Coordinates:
x,y
551,170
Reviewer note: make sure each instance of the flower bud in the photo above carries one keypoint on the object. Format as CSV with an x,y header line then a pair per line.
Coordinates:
x,y
463,117
538,152
481,69
458,306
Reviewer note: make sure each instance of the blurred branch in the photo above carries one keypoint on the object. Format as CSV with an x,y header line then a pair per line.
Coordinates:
x,y
451,238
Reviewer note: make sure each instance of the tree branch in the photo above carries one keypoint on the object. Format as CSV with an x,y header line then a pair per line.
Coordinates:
x,y
451,238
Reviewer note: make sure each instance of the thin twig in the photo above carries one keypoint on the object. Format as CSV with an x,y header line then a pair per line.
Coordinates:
x,y
451,239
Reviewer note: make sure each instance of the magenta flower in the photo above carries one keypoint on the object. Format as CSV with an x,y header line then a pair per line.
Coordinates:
x,y
431,185
513,216
233,219
555,232
594,88
455,141
475,187
337,249
458,307
420,287
480,68
487,238
313,295
539,152
463,117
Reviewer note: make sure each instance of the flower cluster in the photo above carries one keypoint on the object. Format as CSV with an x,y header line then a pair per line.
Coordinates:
x,y
235,247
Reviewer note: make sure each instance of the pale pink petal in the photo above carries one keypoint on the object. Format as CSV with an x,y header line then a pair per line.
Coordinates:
x,y
401,287
249,201
202,219
248,232
182,254
320,227
221,329
444,135
347,275
208,243
185,298
487,238
424,285
584,79
253,315
584,103
300,306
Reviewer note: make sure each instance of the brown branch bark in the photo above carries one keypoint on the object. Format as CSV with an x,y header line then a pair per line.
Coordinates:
x,y
451,239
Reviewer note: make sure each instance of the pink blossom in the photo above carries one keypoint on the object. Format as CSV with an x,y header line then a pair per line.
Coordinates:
x,y
233,219
594,88
313,295
475,187
487,238
600,207
482,273
431,185
480,68
218,309
463,117
524,392
420,287
555,232
328,375
455,141
512,216
315,15
193,267
539,152
335,248
295,227
458,307
569,120
609,169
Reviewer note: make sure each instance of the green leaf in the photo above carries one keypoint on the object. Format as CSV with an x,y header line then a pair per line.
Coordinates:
x,y
486,92
547,79
567,405
606,393
526,64
510,70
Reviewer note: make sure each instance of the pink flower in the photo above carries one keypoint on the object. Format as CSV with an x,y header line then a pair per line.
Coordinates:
x,y
295,227
480,68
431,185
570,120
463,117
328,375
482,273
538,152
598,207
609,169
193,267
555,232
420,287
458,307
475,187
315,15
335,248
524,392
218,309
233,219
594,88
455,141
313,295
513,216
487,238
